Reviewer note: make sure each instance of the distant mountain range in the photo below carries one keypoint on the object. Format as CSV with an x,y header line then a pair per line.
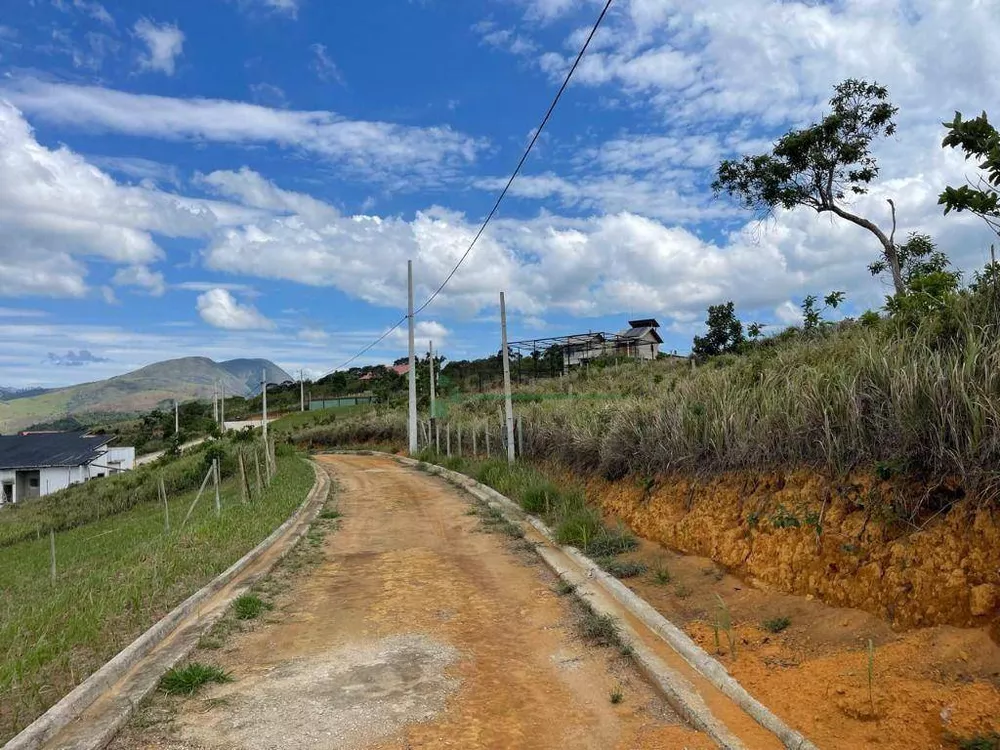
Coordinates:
x,y
142,390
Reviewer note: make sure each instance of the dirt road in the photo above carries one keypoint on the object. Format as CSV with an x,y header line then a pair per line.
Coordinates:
x,y
417,630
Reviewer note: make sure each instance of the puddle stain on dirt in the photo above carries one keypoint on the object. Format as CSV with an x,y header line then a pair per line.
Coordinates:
x,y
352,696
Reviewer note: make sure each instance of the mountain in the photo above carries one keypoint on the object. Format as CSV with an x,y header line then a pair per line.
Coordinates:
x,y
249,371
141,390
8,393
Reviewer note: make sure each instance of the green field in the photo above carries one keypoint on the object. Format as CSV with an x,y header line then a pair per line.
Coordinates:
x,y
115,578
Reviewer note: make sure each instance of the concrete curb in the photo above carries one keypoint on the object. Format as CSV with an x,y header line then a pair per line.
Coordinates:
x,y
46,726
676,638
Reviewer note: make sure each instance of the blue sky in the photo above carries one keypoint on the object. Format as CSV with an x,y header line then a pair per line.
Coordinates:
x,y
248,177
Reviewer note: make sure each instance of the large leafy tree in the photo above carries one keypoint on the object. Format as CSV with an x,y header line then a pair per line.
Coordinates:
x,y
822,165
981,141
725,332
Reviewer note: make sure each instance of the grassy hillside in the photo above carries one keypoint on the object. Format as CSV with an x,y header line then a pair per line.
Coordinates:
x,y
117,575
138,391
897,396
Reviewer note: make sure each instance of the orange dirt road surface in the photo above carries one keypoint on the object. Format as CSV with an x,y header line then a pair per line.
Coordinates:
x,y
416,630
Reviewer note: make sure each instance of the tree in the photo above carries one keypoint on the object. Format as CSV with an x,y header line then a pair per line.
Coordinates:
x,y
725,332
927,275
821,165
977,138
812,318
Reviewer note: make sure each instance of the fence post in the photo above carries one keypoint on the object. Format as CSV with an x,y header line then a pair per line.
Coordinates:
x,y
256,464
166,507
52,547
447,429
487,438
215,471
459,439
197,497
474,431
437,436
244,487
267,465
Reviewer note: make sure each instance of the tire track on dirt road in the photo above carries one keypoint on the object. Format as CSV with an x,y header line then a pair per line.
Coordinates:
x,y
417,631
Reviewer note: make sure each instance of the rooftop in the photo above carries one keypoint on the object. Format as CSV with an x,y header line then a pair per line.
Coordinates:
x,y
41,449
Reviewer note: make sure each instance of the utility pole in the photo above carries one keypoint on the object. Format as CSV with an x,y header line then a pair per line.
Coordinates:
x,y
215,402
507,402
263,409
411,422
302,392
177,419
431,356
222,409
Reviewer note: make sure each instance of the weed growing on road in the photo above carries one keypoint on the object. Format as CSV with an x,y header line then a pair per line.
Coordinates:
x,y
188,679
617,695
621,568
776,624
249,606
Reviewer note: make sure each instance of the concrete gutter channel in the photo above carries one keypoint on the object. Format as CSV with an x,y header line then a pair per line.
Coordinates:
x,y
697,686
92,713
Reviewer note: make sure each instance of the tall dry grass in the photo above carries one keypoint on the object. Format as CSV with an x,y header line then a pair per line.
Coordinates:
x,y
921,398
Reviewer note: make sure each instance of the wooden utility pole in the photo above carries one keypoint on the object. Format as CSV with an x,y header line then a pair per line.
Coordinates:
x,y
177,418
222,410
215,402
411,422
302,392
507,402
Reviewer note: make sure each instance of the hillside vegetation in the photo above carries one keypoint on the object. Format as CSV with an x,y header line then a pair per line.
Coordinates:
x,y
914,396
140,391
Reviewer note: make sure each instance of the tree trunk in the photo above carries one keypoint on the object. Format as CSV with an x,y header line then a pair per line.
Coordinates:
x,y
888,246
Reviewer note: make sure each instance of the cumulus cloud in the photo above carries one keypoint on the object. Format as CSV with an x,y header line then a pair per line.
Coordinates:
x,y
165,43
370,149
219,308
74,359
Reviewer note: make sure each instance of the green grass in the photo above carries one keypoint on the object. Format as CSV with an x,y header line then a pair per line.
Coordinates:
x,y
661,573
189,679
776,624
621,568
248,607
599,630
989,741
617,695
115,578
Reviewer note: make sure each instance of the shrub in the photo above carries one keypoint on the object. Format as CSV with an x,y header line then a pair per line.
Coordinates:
x,y
776,624
622,568
248,606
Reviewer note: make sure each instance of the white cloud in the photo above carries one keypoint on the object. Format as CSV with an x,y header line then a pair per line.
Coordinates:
x,y
313,334
287,7
219,308
108,295
165,42
324,66
366,148
141,277
204,286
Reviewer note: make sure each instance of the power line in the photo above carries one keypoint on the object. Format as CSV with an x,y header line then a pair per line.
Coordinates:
x,y
503,193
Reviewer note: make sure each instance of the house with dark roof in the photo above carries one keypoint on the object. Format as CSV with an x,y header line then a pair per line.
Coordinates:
x,y
640,341
36,464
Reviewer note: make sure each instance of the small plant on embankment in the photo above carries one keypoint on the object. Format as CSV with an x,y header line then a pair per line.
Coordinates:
x,y
776,624
989,741
187,680
617,695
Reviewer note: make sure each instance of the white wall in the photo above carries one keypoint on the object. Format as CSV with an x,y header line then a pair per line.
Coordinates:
x,y
121,458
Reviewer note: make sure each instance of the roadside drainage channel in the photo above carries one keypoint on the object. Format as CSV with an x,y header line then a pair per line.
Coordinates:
x,y
89,716
694,683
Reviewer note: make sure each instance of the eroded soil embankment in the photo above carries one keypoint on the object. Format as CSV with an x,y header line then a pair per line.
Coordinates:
x,y
806,534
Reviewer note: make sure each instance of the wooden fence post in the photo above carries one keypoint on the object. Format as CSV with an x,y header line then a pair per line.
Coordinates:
x,y
166,507
256,464
244,487
218,502
474,431
487,438
437,436
459,439
198,496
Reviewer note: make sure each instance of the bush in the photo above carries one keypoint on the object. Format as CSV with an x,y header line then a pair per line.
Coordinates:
x,y
189,679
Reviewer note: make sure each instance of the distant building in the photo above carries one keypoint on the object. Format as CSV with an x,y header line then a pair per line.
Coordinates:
x,y
37,464
640,341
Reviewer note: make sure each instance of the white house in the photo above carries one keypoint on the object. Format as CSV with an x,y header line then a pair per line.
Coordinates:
x,y
39,463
